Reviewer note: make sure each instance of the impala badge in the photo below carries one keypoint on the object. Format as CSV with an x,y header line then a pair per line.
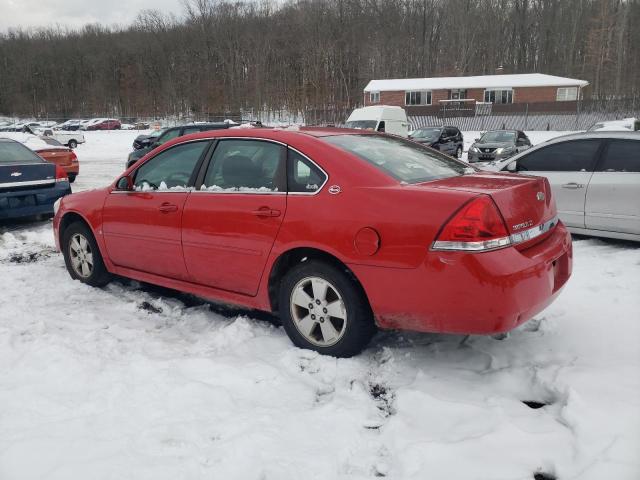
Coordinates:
x,y
518,226
540,196
16,174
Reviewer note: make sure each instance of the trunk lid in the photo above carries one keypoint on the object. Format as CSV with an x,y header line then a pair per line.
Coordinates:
x,y
29,175
524,201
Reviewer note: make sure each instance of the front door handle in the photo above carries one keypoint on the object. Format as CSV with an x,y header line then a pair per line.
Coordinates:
x,y
266,212
168,207
572,185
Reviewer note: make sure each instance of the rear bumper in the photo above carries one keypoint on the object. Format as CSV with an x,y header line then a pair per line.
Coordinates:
x,y
470,293
25,203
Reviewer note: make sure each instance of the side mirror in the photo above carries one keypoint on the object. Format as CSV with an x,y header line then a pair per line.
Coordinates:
x,y
512,167
125,184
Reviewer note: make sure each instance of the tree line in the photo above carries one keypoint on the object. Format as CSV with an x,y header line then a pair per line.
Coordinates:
x,y
301,55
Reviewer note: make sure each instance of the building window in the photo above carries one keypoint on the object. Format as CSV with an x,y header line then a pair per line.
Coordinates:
x,y
374,97
417,98
457,94
566,94
498,96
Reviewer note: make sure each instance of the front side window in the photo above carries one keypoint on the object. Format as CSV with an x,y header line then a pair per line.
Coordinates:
x,y
246,166
621,156
188,130
171,169
374,97
168,135
406,161
570,156
417,98
498,96
302,175
566,94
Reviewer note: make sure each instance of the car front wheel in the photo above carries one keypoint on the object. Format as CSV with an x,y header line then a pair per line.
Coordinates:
x,y
82,256
323,309
72,144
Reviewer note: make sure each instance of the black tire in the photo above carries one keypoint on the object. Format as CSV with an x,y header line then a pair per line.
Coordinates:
x,y
72,177
72,144
359,325
99,276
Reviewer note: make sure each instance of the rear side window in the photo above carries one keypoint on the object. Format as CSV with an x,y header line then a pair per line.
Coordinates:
x,y
570,156
188,130
246,166
14,152
406,161
168,135
621,156
302,175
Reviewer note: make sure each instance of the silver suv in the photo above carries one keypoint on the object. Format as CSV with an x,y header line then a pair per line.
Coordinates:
x,y
498,144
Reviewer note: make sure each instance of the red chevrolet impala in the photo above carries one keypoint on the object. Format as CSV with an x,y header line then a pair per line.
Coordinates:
x,y
337,231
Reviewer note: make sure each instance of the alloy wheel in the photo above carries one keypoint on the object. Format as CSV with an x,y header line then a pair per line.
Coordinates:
x,y
318,311
81,255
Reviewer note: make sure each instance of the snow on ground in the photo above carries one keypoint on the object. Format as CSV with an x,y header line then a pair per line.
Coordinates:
x,y
137,382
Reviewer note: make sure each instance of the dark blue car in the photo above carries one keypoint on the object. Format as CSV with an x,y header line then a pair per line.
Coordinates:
x,y
28,184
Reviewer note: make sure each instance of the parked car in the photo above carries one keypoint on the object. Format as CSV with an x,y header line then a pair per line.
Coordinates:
x,y
595,178
170,134
447,139
55,152
102,124
29,185
143,141
498,144
71,125
68,138
380,118
632,124
336,231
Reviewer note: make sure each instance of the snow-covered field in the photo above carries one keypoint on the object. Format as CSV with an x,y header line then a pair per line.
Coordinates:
x,y
132,382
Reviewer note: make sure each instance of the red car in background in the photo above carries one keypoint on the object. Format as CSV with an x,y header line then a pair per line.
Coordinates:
x,y
104,124
337,231
53,151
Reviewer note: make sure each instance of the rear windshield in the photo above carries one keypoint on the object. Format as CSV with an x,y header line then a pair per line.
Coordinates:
x,y
14,152
406,161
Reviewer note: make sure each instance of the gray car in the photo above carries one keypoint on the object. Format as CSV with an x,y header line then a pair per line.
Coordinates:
x,y
498,144
595,179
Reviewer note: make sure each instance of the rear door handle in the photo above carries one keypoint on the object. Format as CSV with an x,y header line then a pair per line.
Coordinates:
x,y
168,207
572,185
266,212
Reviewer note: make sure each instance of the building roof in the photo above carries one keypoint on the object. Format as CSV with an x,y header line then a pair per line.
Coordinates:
x,y
480,81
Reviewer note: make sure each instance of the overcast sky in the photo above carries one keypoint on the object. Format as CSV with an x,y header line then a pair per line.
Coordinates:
x,y
75,13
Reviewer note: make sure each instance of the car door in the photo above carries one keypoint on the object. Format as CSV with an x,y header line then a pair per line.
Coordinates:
x,y
231,220
446,142
613,194
568,165
141,226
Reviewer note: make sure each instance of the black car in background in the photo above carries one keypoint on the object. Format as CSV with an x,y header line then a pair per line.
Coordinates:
x,y
170,134
498,144
445,138
143,141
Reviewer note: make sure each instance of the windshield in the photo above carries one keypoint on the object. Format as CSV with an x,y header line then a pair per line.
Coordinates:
x,y
498,137
433,133
406,161
362,124
13,152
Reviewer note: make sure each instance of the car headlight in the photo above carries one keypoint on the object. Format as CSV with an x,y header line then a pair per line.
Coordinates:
x,y
56,205
473,149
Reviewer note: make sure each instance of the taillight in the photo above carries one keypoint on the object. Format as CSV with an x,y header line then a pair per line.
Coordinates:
x,y
61,175
74,157
477,226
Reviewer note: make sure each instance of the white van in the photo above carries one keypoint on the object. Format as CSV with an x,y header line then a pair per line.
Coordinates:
x,y
381,118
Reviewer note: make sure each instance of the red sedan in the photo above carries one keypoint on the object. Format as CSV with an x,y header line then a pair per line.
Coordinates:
x,y
337,231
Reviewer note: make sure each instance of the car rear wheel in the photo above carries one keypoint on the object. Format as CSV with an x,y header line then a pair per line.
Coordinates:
x,y
323,309
459,152
72,144
82,256
72,177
